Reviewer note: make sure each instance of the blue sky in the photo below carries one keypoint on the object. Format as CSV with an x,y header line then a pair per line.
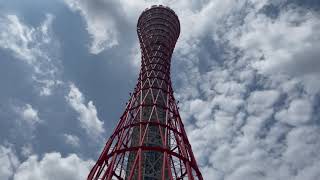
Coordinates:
x,y
246,74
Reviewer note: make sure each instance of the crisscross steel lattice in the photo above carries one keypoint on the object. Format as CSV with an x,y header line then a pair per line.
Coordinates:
x,y
149,142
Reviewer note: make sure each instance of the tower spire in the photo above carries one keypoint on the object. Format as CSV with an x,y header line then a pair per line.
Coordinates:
x,y
149,142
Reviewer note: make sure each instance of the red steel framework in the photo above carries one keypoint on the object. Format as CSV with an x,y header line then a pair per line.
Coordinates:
x,y
149,142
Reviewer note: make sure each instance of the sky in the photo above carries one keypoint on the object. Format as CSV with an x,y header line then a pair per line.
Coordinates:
x,y
246,74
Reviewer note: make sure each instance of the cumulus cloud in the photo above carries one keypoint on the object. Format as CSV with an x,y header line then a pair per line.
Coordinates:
x,y
71,140
238,96
287,44
31,45
27,120
26,150
9,161
261,100
88,117
100,24
274,39
298,113
29,115
53,166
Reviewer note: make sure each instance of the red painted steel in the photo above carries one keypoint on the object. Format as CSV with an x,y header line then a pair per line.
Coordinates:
x,y
149,142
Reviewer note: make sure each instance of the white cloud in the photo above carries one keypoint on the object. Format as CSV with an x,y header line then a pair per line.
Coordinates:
x,y
88,118
302,152
285,45
53,166
298,113
27,120
29,115
310,172
72,140
259,101
100,23
34,46
236,111
16,37
275,39
8,161
26,150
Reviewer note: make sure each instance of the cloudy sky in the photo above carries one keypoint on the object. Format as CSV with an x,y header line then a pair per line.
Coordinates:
x,y
246,73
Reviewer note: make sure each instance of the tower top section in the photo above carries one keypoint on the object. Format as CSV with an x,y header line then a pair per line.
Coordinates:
x,y
159,9
158,28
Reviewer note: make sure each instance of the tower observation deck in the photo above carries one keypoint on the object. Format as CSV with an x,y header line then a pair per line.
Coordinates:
x,y
149,142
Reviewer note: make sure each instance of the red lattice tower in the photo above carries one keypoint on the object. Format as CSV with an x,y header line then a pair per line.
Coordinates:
x,y
149,142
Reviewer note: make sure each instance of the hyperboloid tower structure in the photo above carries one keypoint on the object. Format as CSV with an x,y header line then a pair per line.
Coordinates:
x,y
149,142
